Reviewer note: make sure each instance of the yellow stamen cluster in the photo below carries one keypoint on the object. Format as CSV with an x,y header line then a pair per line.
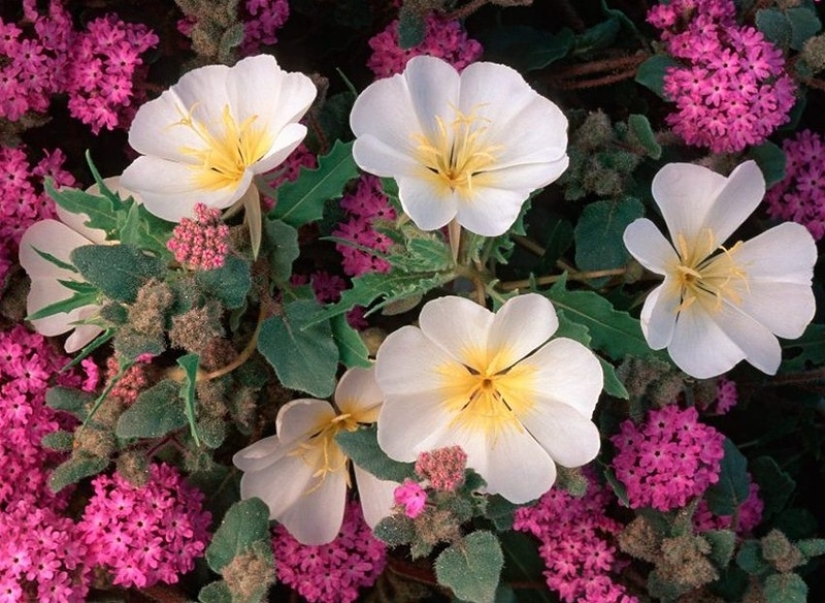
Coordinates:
x,y
321,452
457,155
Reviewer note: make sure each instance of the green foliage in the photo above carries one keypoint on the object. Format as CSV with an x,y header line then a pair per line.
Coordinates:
x,y
810,349
282,242
156,412
395,530
785,588
599,232
612,384
775,25
119,271
229,284
732,489
775,486
471,567
216,592
525,48
597,37
351,348
69,399
412,27
59,440
500,511
771,160
89,295
189,363
722,545
651,73
804,25
362,447
302,201
75,469
300,348
812,547
246,523
102,210
639,128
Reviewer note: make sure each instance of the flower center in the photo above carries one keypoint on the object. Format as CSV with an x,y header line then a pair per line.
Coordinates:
x,y
457,155
228,150
321,451
705,275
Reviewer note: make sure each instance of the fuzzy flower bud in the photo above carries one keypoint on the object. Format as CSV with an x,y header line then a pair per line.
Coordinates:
x,y
411,497
202,243
443,467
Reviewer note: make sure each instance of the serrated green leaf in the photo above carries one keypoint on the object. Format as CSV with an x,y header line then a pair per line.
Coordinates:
x,y
804,25
102,211
302,201
145,230
215,592
282,240
722,544
69,399
775,25
78,300
230,283
471,567
599,232
612,385
190,363
616,333
651,73
639,127
571,329
300,348
423,255
775,486
91,347
156,412
351,348
362,447
619,489
525,48
810,349
74,470
785,588
771,161
244,524
733,487
119,271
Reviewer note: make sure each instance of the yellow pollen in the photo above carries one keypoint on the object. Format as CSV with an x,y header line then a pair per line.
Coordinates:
x,y
706,276
457,156
228,148
321,452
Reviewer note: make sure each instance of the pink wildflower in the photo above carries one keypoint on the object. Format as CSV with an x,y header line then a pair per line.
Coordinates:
x,y
202,243
261,19
444,467
411,497
726,396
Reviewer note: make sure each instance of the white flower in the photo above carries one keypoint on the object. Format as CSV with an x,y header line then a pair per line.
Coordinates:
x,y
471,146
205,138
59,240
302,474
516,403
719,305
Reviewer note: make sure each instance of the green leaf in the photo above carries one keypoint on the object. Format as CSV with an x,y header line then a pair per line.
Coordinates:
x,y
283,242
804,25
775,486
351,348
362,447
302,201
612,385
771,160
501,512
639,127
395,530
471,567
785,588
62,441
651,73
215,592
145,230
78,300
69,399
597,37
74,470
811,348
616,333
102,211
244,524
430,254
300,348
750,558
525,48
571,330
599,232
733,487
722,545
775,25
119,271
812,547
189,363
412,27
230,283
156,412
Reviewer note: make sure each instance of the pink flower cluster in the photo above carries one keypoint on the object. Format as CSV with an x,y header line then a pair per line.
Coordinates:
x,y
133,381
202,243
411,497
96,67
733,90
41,556
443,467
748,516
367,204
576,536
726,396
443,38
261,19
331,573
22,200
145,534
668,459
801,194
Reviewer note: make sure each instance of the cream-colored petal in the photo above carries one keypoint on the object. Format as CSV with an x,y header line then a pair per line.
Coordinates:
x,y
299,419
737,200
408,363
785,309
564,371
571,439
427,205
700,347
287,141
358,394
54,238
659,314
374,155
783,254
459,327
760,346
260,454
526,176
204,94
376,496
83,335
520,326
434,87
410,424
490,212
45,292
650,248
159,129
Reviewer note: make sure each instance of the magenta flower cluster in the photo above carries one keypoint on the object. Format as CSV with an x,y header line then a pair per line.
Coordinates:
x,y
22,200
364,206
145,534
444,467
732,90
410,497
667,460
800,196
262,20
202,243
576,544
333,572
443,38
96,68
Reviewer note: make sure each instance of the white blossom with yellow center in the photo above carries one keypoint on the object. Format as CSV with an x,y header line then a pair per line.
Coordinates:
x,y
302,474
205,138
721,304
493,384
470,147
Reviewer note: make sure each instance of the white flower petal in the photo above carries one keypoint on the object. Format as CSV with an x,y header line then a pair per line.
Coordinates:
x,y
157,129
738,199
425,204
410,424
288,139
651,249
527,176
54,238
434,86
760,346
301,418
490,211
260,454
658,317
459,326
783,254
82,335
520,326
358,394
376,496
572,440
45,292
203,94
700,347
785,309
377,157
685,194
